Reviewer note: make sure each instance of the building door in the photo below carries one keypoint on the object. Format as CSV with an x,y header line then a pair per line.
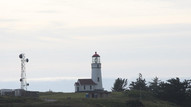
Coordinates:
x,y
77,89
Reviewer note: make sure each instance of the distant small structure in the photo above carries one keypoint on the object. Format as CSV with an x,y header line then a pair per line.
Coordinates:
x,y
23,93
19,92
6,92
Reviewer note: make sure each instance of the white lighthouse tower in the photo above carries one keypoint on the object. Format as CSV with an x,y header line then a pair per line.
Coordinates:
x,y
96,71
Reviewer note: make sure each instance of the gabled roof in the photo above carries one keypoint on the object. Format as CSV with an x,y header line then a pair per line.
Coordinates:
x,y
86,82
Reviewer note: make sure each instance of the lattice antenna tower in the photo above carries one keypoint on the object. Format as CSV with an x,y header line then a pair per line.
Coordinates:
x,y
23,80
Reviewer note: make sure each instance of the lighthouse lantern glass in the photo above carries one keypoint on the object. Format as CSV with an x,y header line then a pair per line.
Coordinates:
x,y
95,59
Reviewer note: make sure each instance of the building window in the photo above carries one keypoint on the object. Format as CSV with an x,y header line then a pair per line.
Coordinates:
x,y
98,79
84,87
90,87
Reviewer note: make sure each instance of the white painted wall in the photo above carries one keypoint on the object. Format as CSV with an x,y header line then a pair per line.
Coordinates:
x,y
96,73
87,88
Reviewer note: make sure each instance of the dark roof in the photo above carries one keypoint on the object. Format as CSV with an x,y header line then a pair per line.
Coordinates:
x,y
76,83
95,55
86,82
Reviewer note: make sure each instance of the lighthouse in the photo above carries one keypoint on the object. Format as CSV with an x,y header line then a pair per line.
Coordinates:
x,y
96,71
94,83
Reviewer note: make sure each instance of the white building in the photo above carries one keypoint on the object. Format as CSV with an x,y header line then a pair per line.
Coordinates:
x,y
5,91
95,83
84,85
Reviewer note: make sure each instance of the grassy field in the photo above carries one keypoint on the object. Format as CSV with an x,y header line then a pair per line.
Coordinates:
x,y
50,99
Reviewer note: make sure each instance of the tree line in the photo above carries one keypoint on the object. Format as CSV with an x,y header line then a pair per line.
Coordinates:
x,y
173,90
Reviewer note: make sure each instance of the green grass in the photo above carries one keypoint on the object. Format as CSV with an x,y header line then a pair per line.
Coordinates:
x,y
116,99
60,95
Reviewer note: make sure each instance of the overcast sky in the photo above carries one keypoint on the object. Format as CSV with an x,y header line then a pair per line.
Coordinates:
x,y
152,37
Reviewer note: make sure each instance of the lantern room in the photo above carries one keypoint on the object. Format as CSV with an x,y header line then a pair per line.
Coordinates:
x,y
95,58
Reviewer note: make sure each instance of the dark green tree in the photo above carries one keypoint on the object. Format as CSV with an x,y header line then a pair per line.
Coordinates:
x,y
176,91
140,84
119,85
154,86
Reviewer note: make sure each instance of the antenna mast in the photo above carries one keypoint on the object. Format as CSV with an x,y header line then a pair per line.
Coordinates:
x,y
23,81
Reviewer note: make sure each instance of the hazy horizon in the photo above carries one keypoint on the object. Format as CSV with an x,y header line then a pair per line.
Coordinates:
x,y
67,85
